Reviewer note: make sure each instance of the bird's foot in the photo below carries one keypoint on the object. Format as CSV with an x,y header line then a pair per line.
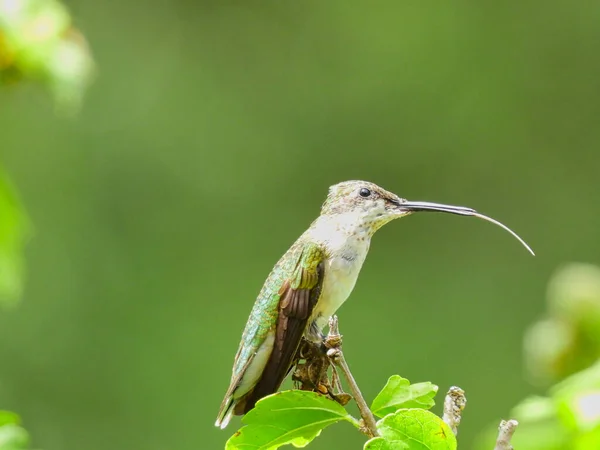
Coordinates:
x,y
333,389
333,340
318,357
342,398
312,373
337,392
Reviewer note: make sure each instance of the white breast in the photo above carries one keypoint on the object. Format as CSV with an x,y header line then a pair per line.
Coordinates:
x,y
347,250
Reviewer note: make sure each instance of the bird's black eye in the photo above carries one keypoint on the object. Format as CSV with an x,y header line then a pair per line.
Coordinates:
x,y
364,192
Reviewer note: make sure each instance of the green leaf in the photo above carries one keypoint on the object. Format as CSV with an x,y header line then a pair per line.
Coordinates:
x,y
398,393
380,443
14,230
288,417
9,417
420,429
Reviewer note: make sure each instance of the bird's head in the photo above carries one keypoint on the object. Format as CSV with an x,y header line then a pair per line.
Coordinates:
x,y
367,205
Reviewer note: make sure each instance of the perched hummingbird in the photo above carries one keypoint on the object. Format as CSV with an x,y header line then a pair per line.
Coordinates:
x,y
310,282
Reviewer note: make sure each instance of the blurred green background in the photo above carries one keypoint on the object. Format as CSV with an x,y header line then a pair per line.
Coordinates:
x,y
206,146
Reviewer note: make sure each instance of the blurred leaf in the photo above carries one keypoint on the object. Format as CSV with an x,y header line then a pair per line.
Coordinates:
x,y
578,399
13,437
588,378
14,230
380,443
38,42
398,393
550,350
288,417
588,441
533,409
568,340
574,293
582,410
539,426
569,419
9,417
420,429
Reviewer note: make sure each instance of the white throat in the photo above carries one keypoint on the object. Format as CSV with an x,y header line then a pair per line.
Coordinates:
x,y
350,226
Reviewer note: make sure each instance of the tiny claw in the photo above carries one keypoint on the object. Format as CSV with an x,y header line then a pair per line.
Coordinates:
x,y
342,398
333,354
333,341
322,389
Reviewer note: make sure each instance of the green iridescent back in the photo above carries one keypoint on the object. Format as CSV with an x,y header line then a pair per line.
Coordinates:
x,y
263,316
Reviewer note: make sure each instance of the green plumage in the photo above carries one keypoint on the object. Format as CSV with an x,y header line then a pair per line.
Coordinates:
x,y
281,310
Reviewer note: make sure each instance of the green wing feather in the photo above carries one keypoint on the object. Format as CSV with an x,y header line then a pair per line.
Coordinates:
x,y
283,307
298,297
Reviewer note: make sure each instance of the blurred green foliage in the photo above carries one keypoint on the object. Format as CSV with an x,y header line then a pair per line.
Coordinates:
x,y
206,147
38,42
12,435
563,347
567,419
14,231
568,339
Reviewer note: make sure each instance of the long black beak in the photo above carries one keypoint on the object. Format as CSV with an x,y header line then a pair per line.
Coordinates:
x,y
436,207
459,210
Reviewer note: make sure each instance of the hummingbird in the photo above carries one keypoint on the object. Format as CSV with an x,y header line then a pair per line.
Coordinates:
x,y
310,282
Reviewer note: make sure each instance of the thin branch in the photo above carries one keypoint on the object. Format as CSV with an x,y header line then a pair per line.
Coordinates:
x,y
505,433
454,403
334,342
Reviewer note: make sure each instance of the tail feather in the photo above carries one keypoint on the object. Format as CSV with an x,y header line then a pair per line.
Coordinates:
x,y
266,385
242,383
225,412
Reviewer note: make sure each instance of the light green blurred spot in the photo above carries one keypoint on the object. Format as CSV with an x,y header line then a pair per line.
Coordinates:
x,y
13,437
38,42
7,417
14,230
587,441
533,409
574,293
578,399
